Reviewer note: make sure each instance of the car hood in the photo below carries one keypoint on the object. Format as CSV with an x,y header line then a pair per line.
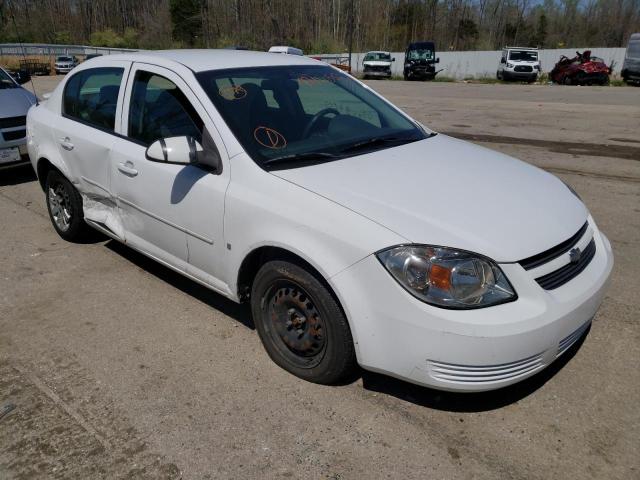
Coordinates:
x,y
15,102
447,192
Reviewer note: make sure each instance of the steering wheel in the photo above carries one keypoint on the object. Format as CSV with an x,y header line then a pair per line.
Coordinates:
x,y
312,123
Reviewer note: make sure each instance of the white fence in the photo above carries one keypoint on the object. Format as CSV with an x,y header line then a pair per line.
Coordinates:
x,y
459,65
484,63
52,50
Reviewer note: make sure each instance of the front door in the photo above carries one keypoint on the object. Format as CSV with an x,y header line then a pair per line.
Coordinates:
x,y
171,212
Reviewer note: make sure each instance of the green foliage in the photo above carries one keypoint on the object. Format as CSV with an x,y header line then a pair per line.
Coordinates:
x,y
63,37
187,20
109,38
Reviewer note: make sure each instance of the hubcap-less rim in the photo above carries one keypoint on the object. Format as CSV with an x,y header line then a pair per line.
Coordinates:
x,y
296,324
60,206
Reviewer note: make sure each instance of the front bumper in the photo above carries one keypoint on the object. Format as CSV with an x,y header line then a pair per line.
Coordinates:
x,y
469,350
377,73
511,75
420,72
24,156
64,69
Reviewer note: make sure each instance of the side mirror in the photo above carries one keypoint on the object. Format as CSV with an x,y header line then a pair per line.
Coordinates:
x,y
393,59
503,60
438,60
177,150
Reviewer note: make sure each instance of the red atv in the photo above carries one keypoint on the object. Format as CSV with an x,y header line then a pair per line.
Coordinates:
x,y
583,69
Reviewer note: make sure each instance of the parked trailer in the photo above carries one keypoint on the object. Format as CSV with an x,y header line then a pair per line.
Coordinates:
x,y
35,67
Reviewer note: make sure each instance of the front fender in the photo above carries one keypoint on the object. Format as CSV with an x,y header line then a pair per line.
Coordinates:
x,y
264,210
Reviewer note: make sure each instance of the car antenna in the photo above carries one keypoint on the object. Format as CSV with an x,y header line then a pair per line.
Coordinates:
x,y
24,56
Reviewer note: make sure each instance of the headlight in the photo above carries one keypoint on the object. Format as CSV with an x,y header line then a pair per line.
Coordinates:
x,y
509,65
447,278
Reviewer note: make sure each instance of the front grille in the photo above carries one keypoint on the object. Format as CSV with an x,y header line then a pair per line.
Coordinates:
x,y
555,252
377,68
14,135
13,122
523,68
566,273
474,374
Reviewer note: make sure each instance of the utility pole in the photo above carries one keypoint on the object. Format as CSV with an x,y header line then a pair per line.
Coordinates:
x,y
350,33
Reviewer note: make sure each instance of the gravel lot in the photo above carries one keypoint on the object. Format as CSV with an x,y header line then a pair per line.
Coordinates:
x,y
118,367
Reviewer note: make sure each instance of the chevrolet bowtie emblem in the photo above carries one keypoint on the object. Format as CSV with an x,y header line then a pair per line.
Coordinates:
x,y
574,255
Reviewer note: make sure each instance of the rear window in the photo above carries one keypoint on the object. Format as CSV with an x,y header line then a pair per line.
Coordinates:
x,y
91,96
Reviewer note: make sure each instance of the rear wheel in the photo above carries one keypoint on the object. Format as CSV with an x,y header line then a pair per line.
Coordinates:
x,y
301,325
64,205
567,80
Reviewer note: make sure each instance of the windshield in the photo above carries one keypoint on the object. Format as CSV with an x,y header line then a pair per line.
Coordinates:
x,y
377,56
64,59
420,54
523,55
6,81
294,115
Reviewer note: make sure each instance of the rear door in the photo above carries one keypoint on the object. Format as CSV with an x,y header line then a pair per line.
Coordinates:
x,y
85,135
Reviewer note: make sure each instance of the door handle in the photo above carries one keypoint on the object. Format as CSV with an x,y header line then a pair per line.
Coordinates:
x,y
65,142
127,169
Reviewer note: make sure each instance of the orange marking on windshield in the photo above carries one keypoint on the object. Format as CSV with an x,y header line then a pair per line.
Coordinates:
x,y
232,92
269,138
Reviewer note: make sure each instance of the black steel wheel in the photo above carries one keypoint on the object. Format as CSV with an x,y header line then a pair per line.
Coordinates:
x,y
302,327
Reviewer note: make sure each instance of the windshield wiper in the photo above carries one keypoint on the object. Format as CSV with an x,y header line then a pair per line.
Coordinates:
x,y
376,141
296,157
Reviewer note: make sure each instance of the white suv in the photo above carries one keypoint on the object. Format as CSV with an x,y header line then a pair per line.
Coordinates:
x,y
519,63
357,235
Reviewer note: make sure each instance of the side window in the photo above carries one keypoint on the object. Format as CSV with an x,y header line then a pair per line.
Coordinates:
x,y
160,110
91,96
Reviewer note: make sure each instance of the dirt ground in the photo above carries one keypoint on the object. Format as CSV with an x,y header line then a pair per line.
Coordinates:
x,y
115,367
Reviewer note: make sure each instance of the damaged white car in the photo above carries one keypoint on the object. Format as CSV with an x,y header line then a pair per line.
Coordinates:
x,y
357,235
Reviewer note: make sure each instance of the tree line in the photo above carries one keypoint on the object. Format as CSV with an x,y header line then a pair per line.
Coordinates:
x,y
321,26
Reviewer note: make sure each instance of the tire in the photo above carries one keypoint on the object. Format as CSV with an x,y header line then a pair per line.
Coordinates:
x,y
567,80
64,205
498,75
301,325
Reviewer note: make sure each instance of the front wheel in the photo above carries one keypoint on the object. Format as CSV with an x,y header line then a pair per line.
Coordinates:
x,y
301,325
64,205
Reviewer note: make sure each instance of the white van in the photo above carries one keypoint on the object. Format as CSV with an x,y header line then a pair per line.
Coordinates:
x,y
519,63
286,50
631,65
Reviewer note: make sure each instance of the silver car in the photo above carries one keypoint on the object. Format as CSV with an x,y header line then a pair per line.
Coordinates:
x,y
15,101
65,63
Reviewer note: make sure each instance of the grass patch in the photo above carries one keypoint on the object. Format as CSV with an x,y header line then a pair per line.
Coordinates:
x,y
444,78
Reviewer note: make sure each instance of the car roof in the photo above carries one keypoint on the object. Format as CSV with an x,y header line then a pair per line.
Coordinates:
x,y
377,51
210,59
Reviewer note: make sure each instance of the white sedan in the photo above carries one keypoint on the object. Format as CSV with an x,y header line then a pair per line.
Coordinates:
x,y
358,235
